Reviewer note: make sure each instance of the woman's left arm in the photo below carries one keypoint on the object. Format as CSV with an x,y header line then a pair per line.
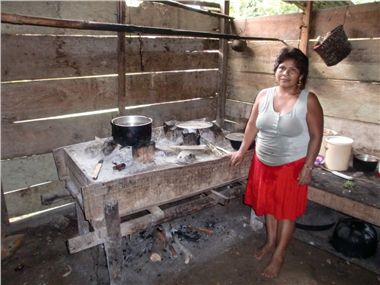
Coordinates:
x,y
314,119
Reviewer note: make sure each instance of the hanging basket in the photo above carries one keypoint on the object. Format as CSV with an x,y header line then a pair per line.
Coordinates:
x,y
335,46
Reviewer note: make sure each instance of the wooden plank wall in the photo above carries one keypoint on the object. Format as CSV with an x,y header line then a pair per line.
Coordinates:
x,y
349,91
59,86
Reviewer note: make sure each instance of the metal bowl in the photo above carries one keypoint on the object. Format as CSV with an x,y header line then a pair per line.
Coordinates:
x,y
365,162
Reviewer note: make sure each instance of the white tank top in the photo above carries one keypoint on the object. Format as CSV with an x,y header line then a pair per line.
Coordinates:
x,y
282,138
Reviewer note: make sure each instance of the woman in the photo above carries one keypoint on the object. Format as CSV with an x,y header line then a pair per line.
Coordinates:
x,y
287,123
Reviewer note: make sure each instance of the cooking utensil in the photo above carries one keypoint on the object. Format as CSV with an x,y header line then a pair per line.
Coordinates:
x,y
132,130
341,175
239,45
97,169
354,238
236,139
365,162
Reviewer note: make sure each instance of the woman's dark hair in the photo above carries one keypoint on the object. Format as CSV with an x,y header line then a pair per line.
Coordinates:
x,y
301,61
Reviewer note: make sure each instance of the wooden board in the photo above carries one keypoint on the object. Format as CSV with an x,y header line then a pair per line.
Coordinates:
x,y
155,187
350,100
102,11
366,190
28,200
147,14
41,99
43,136
360,65
339,98
286,27
27,171
27,57
360,21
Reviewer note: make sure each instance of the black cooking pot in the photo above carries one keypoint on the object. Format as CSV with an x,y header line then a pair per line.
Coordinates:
x,y
354,238
364,162
132,130
236,139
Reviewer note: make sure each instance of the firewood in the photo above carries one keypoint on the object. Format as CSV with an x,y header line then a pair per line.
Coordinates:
x,y
159,244
144,153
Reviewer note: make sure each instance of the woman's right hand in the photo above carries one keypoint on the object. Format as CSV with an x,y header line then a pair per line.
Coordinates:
x,y
236,158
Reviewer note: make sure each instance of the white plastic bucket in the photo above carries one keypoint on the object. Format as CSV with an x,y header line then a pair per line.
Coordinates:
x,y
326,133
338,152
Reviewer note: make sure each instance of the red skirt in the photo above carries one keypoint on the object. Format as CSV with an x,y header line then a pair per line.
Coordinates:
x,y
275,190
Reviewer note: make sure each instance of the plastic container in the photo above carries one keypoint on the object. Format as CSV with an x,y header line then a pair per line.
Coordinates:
x,y
326,133
338,152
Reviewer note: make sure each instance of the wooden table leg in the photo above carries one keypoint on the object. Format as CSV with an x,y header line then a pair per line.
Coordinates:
x,y
83,224
112,243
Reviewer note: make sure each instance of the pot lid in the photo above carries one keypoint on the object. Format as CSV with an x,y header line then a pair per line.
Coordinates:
x,y
235,136
194,125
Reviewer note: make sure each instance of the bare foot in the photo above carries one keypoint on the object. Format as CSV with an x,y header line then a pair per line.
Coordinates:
x,y
273,268
264,250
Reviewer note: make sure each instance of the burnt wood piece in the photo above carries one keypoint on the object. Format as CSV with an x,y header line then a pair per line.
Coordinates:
x,y
171,131
144,153
112,242
159,244
88,25
191,137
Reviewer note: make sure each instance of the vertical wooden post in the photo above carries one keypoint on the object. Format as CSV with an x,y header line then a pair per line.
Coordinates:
x,y
223,53
305,28
83,224
121,60
4,215
113,242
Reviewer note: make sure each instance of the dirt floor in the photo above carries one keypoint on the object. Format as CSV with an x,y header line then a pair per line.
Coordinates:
x,y
226,256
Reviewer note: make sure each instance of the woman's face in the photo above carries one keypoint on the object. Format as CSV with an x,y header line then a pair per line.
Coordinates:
x,y
287,74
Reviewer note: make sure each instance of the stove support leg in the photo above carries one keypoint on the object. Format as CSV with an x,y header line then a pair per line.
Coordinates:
x,y
83,224
112,243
